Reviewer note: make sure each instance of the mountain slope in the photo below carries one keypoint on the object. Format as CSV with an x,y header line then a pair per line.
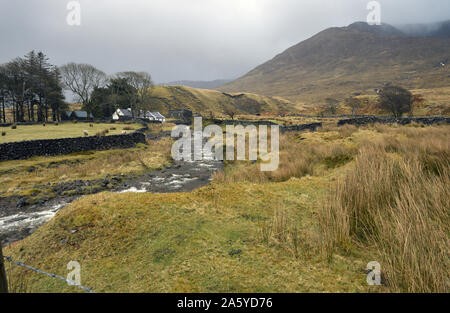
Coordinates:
x,y
340,61
165,98
213,84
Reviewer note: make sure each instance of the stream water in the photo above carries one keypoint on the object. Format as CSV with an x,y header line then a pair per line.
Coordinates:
x,y
17,223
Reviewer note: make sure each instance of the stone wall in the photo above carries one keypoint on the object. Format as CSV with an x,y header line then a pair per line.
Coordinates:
x,y
391,120
48,147
311,127
243,123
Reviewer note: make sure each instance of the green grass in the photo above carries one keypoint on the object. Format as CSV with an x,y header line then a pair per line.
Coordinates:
x,y
63,130
205,241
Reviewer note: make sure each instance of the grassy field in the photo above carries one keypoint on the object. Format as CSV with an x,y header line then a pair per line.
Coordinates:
x,y
20,177
292,230
62,130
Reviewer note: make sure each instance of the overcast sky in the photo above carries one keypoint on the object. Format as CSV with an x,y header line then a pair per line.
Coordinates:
x,y
185,39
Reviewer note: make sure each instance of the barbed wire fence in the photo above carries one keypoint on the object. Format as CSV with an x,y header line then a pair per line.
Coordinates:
x,y
4,281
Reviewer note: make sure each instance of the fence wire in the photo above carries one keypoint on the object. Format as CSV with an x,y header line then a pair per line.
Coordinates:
x,y
70,282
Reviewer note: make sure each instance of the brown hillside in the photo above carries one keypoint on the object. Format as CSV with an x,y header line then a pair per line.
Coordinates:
x,y
340,61
165,98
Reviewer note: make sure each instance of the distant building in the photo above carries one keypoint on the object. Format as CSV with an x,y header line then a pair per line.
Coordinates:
x,y
76,115
147,115
65,116
181,114
126,115
81,116
122,115
159,117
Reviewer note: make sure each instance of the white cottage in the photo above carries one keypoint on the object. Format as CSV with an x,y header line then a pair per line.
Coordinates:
x,y
122,115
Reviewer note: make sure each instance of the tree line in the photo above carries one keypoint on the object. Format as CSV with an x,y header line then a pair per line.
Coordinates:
x,y
31,89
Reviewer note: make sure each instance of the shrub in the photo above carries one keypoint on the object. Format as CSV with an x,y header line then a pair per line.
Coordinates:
x,y
396,100
14,126
3,133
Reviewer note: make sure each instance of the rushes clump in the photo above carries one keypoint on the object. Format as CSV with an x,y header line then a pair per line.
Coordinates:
x,y
396,200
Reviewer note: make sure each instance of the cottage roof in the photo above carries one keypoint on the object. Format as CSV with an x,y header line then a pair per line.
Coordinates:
x,y
125,112
81,114
158,115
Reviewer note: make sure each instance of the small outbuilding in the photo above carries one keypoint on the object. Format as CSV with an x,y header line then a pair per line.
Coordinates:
x,y
65,116
181,114
81,116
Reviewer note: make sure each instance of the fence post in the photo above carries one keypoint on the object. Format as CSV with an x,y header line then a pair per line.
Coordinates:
x,y
3,279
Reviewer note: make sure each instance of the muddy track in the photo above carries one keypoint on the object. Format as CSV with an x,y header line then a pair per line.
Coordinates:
x,y
19,219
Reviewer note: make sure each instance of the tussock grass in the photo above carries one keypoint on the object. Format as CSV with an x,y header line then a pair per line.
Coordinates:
x,y
298,158
283,230
396,199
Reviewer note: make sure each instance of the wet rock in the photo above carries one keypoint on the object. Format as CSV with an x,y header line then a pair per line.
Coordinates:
x,y
116,178
235,252
42,200
22,202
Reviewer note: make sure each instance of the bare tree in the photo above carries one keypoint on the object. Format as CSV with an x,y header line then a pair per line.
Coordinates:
x,y
396,100
231,112
81,79
142,84
353,103
331,106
